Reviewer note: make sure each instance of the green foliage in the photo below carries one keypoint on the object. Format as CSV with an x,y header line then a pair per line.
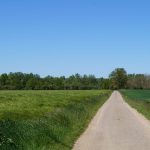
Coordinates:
x,y
46,120
21,81
118,78
138,99
105,83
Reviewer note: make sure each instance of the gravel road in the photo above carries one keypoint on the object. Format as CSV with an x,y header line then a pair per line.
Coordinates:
x,y
116,126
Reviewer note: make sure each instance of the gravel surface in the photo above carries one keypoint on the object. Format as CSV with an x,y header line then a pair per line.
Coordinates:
x,y
116,126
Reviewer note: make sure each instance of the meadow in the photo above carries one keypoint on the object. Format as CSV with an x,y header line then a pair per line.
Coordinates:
x,y
138,99
46,120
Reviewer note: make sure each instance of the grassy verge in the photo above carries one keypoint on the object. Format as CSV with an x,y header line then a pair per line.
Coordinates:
x,y
138,99
46,120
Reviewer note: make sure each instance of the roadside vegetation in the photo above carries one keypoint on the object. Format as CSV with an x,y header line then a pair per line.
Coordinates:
x,y
138,99
44,113
46,120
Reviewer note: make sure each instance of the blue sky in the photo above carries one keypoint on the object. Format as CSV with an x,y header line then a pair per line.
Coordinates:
x,y
63,37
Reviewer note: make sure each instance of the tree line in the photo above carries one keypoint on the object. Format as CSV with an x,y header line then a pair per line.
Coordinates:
x,y
117,79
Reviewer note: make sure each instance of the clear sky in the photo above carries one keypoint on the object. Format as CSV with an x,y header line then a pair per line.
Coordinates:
x,y
63,37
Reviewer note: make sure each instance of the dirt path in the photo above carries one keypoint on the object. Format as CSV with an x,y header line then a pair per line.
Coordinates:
x,y
116,126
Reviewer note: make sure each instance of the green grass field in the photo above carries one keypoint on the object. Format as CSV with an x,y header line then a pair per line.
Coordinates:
x,y
46,120
138,99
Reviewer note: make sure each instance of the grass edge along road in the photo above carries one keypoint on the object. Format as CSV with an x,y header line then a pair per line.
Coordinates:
x,y
138,99
56,130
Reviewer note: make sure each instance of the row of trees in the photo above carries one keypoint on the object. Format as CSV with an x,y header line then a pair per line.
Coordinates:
x,y
118,79
20,81
138,81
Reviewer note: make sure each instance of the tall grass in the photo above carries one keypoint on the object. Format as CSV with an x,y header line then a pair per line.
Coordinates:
x,y
138,99
46,120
